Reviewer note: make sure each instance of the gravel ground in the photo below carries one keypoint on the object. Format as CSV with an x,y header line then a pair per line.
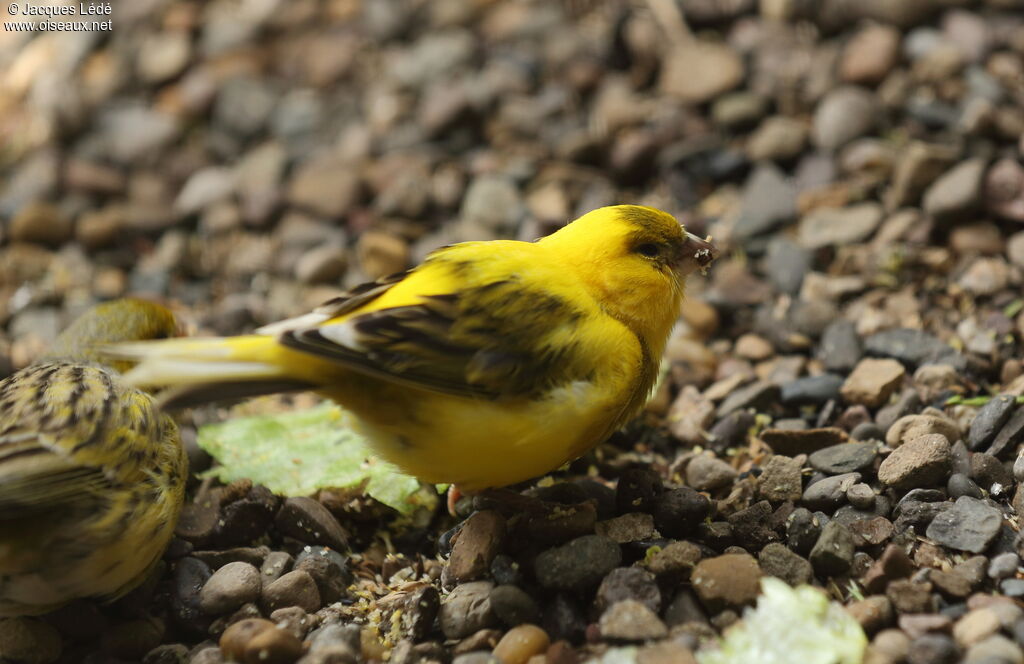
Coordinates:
x,y
858,162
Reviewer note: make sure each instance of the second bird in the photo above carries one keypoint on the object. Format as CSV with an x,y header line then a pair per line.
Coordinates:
x,y
488,364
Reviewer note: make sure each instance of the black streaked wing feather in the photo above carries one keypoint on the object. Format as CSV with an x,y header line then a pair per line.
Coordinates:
x,y
35,478
491,341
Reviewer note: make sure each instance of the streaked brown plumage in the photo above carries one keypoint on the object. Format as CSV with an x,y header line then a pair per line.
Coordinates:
x,y
92,475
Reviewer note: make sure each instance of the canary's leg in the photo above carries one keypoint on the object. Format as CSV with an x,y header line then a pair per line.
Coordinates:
x,y
453,497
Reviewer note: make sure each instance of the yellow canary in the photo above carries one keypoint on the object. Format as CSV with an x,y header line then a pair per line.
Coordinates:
x,y
488,364
92,475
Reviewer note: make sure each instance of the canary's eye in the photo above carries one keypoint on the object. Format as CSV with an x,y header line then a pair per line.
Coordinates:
x,y
648,249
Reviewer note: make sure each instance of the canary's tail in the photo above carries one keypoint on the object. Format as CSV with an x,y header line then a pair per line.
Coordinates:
x,y
197,371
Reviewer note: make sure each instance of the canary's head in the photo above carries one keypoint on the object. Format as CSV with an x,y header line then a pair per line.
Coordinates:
x,y
634,259
127,319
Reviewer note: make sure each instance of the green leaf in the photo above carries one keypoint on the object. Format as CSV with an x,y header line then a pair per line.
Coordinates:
x,y
1013,308
296,453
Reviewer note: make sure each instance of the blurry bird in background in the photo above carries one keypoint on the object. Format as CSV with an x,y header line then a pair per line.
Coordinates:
x,y
488,364
92,475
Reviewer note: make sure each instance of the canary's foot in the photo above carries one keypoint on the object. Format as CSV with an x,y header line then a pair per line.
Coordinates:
x,y
453,497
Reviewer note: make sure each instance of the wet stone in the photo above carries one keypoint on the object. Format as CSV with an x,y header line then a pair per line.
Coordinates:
x,y
845,458
970,525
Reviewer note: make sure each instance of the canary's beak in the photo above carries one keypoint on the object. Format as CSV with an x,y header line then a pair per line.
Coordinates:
x,y
695,254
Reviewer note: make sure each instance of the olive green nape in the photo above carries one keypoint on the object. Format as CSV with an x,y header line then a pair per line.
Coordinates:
x,y
127,319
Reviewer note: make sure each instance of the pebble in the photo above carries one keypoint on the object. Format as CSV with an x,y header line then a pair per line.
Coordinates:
x,y
513,605
296,588
910,427
961,485
830,492
933,649
977,625
678,512
637,489
870,55
580,564
521,643
1003,565
477,544
40,222
911,347
996,648
873,381
467,609
256,640
769,200
491,206
29,640
308,521
816,390
991,474
630,620
787,263
230,587
832,554
758,395
329,570
844,458
706,472
826,226
632,583
698,71
322,265
631,527
727,581
843,114
861,496
922,461
781,480
958,191
775,559
675,560
778,138
970,525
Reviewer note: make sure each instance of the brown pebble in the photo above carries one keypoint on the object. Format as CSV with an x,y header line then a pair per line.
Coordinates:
x,y
236,637
872,382
521,643
272,646
296,588
476,546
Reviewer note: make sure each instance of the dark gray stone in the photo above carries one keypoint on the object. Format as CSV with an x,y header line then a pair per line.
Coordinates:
x,y
970,525
843,458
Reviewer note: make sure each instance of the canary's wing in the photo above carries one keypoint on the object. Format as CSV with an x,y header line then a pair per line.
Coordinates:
x,y
36,477
493,333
